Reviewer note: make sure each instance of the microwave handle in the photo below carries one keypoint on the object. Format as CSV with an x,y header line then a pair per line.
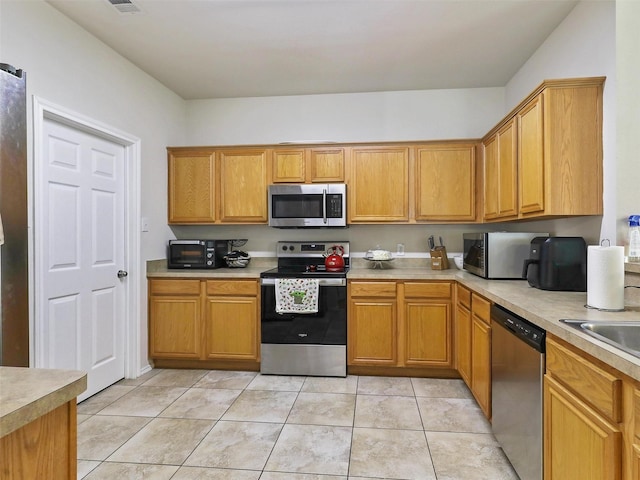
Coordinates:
x,y
324,205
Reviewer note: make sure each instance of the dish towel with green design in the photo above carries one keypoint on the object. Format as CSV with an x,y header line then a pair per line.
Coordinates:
x,y
297,295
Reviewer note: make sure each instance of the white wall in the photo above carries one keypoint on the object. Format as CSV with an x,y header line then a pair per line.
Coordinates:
x,y
68,67
628,117
359,117
583,45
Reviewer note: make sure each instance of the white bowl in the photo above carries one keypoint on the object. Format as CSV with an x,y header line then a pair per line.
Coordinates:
x,y
458,260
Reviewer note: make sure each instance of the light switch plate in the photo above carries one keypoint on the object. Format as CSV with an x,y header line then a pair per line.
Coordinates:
x,y
400,250
145,224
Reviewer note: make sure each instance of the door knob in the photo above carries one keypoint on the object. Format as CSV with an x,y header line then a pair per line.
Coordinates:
x,y
122,273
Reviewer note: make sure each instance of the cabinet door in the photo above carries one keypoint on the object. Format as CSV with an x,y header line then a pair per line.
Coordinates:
x,y
481,364
428,334
635,461
231,326
491,177
243,186
379,185
326,165
578,443
372,332
446,187
500,174
508,172
174,327
463,342
289,166
531,181
191,187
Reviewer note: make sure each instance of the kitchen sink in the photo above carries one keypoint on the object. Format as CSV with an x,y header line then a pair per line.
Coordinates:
x,y
624,335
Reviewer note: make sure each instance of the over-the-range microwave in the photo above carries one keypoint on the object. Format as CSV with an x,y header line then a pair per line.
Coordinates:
x,y
308,205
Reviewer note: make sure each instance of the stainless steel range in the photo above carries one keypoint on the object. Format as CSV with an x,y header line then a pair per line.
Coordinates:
x,y
304,311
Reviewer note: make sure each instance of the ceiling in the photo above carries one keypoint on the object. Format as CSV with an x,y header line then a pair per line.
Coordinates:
x,y
247,48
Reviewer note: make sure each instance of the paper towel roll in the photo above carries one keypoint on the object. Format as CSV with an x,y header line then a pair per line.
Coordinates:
x,y
605,277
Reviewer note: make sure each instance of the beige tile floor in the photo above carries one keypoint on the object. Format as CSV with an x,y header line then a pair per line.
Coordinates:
x,y
204,424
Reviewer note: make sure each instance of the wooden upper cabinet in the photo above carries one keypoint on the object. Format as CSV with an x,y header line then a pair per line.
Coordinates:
x,y
308,165
572,148
192,191
289,166
500,174
243,186
531,157
491,177
379,185
508,171
445,183
326,165
545,158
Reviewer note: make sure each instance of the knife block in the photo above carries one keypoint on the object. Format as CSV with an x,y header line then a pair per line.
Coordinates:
x,y
439,260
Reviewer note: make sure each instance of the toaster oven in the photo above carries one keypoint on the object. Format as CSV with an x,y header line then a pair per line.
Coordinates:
x,y
197,254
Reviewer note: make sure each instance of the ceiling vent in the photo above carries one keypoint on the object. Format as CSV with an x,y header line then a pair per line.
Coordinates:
x,y
125,6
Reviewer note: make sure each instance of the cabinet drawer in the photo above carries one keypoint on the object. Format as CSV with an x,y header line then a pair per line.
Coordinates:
x,y
463,295
427,290
174,287
594,384
481,308
232,287
372,289
636,412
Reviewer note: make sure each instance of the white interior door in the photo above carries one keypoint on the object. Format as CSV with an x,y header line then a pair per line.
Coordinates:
x,y
82,298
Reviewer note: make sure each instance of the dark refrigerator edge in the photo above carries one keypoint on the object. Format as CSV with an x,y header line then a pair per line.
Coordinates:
x,y
14,326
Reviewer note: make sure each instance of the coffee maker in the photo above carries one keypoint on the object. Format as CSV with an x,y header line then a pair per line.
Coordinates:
x,y
557,263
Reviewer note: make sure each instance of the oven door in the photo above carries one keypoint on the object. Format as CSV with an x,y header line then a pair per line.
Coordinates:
x,y
326,327
305,344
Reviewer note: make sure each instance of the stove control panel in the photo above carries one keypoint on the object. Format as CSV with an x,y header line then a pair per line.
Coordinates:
x,y
309,249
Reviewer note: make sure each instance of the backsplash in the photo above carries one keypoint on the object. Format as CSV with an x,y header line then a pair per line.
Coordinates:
x,y
262,239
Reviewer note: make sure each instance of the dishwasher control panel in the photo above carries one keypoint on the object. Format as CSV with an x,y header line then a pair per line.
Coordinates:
x,y
525,330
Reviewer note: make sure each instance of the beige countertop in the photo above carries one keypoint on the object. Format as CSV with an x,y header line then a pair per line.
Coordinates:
x,y
28,393
541,307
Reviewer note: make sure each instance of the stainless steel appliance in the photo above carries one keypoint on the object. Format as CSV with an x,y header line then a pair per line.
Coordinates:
x,y
517,370
14,291
557,263
497,255
305,343
197,254
300,206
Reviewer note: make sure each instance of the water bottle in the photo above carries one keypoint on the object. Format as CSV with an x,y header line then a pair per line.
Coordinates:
x,y
634,238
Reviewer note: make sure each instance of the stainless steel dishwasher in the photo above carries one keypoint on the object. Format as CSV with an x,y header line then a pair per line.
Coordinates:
x,y
517,370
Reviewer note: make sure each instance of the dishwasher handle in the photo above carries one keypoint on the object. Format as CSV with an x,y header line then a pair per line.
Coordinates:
x,y
518,326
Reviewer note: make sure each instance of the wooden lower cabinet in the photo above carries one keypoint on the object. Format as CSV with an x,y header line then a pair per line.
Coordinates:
x,y
400,324
427,332
372,326
481,352
231,320
579,443
463,333
588,417
175,325
202,320
45,448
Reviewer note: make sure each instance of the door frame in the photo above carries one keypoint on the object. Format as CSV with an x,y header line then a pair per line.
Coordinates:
x,y
45,110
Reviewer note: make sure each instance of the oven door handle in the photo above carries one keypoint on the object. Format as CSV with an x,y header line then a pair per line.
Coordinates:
x,y
324,282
